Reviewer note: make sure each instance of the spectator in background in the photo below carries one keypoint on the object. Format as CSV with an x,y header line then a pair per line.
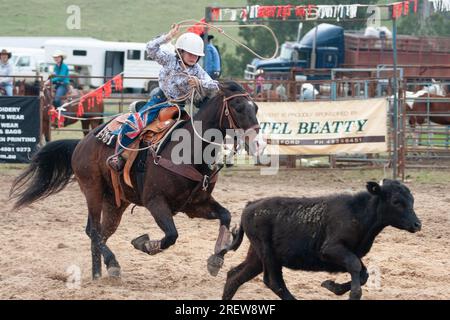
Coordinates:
x,y
281,92
259,81
5,71
60,77
212,60
308,92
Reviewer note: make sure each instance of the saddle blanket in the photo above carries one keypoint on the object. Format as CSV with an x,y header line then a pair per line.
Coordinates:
x,y
108,135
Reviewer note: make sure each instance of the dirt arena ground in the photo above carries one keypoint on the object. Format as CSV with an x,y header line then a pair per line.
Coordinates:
x,y
44,246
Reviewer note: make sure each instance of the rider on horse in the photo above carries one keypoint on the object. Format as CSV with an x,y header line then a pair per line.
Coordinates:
x,y
6,70
60,78
179,74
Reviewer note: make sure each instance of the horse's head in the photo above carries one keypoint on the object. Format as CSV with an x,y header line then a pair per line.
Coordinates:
x,y
238,109
19,88
435,88
238,113
47,96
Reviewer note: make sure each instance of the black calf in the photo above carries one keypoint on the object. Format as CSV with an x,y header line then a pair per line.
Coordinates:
x,y
328,233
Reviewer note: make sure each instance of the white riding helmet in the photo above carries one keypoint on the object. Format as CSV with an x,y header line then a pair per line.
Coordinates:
x,y
191,43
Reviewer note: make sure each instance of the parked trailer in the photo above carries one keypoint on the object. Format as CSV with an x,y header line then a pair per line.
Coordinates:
x,y
93,57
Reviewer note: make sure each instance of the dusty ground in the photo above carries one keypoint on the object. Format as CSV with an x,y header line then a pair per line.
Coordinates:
x,y
44,245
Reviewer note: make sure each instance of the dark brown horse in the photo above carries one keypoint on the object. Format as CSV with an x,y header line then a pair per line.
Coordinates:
x,y
436,109
23,88
91,118
162,191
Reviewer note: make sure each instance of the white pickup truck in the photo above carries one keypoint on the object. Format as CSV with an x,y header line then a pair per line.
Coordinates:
x,y
27,62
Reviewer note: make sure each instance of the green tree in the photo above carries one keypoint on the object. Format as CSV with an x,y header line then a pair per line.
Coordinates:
x,y
261,41
437,24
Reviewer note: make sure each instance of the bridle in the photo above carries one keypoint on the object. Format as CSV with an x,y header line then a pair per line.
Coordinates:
x,y
229,113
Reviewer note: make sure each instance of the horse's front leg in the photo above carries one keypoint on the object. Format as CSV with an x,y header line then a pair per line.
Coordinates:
x,y
45,129
224,216
163,216
213,210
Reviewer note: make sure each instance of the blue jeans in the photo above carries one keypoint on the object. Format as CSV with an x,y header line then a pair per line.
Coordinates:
x,y
8,88
61,90
136,122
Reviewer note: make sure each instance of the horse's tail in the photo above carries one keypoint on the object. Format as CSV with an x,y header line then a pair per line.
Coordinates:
x,y
237,239
49,172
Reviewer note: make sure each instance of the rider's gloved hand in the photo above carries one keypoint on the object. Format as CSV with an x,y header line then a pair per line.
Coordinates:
x,y
174,31
194,82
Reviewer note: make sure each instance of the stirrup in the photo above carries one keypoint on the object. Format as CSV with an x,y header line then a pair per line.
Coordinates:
x,y
115,162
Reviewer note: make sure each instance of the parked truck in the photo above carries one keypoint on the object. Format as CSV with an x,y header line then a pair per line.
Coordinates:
x,y
26,62
419,57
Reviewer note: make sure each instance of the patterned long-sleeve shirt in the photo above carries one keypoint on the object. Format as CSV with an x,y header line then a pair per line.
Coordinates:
x,y
171,82
6,69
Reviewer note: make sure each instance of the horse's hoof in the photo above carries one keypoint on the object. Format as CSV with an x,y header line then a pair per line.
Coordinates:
x,y
215,262
114,272
139,242
153,247
146,245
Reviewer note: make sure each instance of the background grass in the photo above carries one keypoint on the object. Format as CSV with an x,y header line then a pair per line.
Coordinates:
x,y
112,20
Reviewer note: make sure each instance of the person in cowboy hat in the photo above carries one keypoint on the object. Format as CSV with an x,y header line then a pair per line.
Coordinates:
x,y
5,71
60,77
180,73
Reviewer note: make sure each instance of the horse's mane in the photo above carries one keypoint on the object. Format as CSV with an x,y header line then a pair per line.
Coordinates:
x,y
232,86
226,88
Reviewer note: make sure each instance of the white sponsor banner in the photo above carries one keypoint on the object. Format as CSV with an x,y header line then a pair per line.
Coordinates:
x,y
325,127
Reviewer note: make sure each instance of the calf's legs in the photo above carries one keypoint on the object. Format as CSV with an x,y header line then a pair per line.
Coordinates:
x,y
244,272
340,255
341,288
273,274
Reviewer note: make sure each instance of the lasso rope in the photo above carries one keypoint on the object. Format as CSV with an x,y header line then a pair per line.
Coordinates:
x,y
191,110
84,119
189,23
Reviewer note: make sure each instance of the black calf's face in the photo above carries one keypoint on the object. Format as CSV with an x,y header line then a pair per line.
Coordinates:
x,y
398,204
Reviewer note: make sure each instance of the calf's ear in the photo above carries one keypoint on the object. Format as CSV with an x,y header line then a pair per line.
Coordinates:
x,y
373,188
